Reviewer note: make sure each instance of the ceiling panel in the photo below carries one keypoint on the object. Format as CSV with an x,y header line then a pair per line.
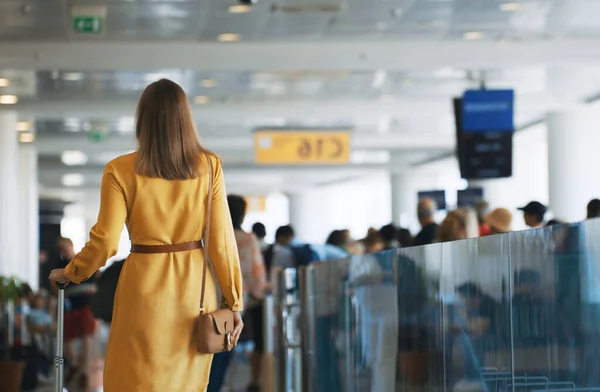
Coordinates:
x,y
32,20
205,19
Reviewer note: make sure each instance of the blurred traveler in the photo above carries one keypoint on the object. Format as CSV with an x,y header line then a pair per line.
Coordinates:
x,y
593,209
260,232
46,266
425,212
453,227
161,192
255,285
389,234
500,221
374,242
533,214
280,254
405,238
482,209
339,239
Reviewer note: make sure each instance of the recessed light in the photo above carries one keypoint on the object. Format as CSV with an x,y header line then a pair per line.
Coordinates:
x,y
201,99
473,35
240,9
208,83
74,158
510,6
26,137
23,126
8,99
72,76
228,37
4,82
73,179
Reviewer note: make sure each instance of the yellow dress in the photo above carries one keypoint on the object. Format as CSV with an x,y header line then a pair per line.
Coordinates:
x,y
151,347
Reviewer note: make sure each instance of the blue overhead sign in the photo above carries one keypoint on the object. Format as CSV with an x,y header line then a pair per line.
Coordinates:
x,y
488,111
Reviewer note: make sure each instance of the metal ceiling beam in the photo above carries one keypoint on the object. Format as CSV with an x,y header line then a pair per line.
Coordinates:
x,y
49,144
276,107
323,55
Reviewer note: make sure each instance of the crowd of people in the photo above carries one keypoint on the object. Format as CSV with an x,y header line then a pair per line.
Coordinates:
x,y
258,260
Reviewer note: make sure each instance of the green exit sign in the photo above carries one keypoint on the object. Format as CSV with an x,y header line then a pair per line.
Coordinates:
x,y
97,135
88,24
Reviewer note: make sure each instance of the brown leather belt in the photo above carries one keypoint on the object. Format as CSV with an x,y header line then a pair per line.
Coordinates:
x,y
170,248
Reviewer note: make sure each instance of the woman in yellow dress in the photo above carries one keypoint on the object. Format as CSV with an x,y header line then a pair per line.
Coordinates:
x,y
160,192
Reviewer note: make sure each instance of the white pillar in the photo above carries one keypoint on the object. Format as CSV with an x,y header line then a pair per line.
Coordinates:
x,y
303,217
10,254
573,160
404,200
29,215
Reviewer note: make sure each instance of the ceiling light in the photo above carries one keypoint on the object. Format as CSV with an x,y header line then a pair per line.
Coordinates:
x,y
72,76
229,37
208,83
126,124
473,35
8,99
23,126
510,7
153,77
379,79
4,82
240,9
74,158
73,179
201,99
26,137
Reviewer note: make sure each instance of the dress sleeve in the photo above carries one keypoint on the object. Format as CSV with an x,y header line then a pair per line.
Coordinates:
x,y
222,246
105,235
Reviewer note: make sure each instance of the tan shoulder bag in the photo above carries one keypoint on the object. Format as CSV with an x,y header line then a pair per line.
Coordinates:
x,y
213,330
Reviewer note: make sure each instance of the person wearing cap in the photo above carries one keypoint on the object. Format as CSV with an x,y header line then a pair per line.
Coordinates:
x,y
533,213
499,220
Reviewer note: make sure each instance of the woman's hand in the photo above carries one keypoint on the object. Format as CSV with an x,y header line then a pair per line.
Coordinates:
x,y
238,326
58,276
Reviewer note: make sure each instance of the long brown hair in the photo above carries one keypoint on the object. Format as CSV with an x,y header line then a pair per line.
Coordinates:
x,y
168,144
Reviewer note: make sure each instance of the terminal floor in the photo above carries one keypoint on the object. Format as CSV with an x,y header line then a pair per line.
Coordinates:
x,y
236,381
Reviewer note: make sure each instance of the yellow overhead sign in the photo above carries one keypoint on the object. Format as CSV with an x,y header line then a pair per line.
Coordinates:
x,y
301,147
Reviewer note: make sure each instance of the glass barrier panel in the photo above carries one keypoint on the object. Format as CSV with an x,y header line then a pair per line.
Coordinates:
x,y
420,334
327,329
588,339
544,271
476,316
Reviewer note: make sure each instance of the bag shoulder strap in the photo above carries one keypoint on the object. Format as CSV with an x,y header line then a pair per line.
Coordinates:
x,y
206,233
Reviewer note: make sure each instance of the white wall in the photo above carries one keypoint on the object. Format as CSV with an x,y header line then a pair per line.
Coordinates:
x,y
354,205
276,214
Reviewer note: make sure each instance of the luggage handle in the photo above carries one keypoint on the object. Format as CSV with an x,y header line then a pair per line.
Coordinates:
x,y
59,360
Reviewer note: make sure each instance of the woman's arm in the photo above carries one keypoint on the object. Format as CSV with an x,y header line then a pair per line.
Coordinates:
x,y
221,244
105,235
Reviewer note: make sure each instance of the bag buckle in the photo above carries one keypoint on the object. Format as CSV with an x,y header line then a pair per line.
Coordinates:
x,y
227,343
